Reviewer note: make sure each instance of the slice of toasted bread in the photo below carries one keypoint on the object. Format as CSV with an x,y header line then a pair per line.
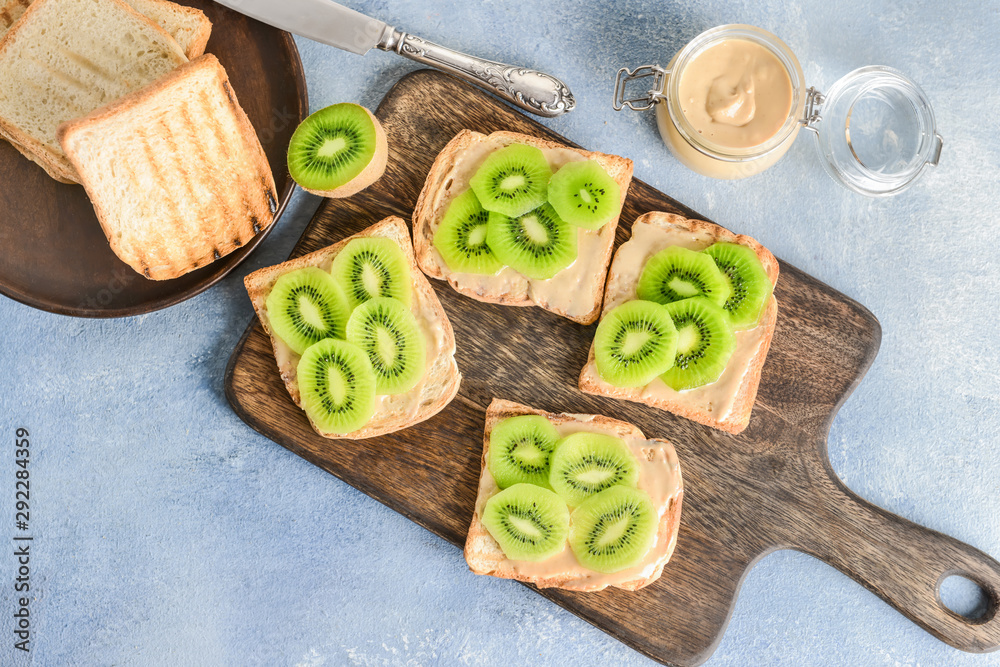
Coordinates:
x,y
65,58
175,171
394,413
483,553
727,403
189,27
575,292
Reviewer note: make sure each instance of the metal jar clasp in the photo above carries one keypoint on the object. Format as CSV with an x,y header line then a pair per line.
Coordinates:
x,y
814,104
643,102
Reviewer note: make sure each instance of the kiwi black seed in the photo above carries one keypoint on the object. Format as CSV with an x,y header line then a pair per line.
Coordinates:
x,y
751,286
512,180
678,273
705,342
529,522
370,267
613,530
305,306
538,244
585,463
521,450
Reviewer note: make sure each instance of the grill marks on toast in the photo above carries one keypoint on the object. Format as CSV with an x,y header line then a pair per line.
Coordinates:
x,y
11,12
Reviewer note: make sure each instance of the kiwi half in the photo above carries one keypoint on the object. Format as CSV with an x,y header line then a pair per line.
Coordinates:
x,y
584,464
705,342
613,530
521,450
371,267
751,286
538,244
461,237
389,334
512,180
336,386
305,306
583,194
529,522
634,343
338,151
678,273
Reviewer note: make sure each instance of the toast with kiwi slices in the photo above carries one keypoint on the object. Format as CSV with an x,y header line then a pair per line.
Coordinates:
x,y
608,515
344,305
699,296
469,229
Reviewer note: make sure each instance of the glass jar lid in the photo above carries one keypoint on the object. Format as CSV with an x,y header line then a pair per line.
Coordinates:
x,y
875,131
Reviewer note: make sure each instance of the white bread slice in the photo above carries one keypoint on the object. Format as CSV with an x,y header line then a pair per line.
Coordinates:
x,y
175,171
621,288
483,553
438,387
65,58
445,182
189,27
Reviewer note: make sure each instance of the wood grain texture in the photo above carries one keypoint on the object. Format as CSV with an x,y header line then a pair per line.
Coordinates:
x,y
771,487
55,256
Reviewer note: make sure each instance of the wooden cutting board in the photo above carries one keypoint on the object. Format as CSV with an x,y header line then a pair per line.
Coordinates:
x,y
769,488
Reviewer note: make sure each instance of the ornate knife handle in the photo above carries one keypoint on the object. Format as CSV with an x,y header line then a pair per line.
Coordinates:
x,y
533,91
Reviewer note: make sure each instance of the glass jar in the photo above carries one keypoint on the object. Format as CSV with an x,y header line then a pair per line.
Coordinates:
x,y
877,136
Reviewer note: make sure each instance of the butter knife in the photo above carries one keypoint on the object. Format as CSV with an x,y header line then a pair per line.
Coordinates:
x,y
327,22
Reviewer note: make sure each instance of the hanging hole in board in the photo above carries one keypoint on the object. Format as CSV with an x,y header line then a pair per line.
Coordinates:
x,y
965,597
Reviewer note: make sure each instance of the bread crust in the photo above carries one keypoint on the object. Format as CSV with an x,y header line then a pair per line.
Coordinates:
x,y
259,285
739,417
255,178
483,553
427,216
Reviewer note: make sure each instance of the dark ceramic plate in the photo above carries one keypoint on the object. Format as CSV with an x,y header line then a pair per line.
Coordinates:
x,y
53,254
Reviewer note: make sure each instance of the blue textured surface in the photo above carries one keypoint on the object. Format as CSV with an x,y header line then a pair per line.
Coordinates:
x,y
169,533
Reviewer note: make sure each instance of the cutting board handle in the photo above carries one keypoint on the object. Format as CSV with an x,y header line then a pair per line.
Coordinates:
x,y
904,564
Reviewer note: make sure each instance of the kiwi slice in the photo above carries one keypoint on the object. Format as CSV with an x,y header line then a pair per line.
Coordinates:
x,y
613,530
461,237
337,151
584,195
337,386
678,273
751,287
305,306
538,244
521,449
389,334
634,343
512,180
705,342
371,267
529,522
587,463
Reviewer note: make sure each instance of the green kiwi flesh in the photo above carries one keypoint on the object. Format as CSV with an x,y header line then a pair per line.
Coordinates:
x,y
512,180
584,195
538,244
331,147
529,522
635,343
521,450
461,237
751,286
371,267
584,464
389,334
705,342
678,273
305,306
613,530
336,386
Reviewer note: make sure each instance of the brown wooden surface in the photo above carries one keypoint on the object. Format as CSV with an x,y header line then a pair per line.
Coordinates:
x,y
55,256
769,488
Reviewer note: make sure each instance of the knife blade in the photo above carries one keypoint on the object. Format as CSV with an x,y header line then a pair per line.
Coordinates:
x,y
329,23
